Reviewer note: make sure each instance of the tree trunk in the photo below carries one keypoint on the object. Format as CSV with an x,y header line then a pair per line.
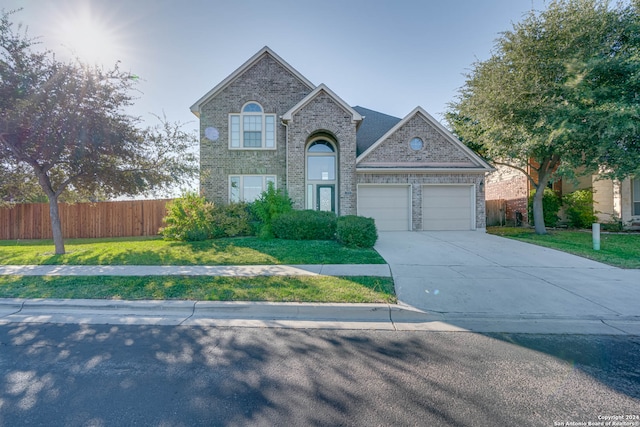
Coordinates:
x,y
538,211
56,227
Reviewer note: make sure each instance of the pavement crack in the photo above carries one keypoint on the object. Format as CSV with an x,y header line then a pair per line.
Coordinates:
x,y
566,290
193,312
391,318
15,312
604,322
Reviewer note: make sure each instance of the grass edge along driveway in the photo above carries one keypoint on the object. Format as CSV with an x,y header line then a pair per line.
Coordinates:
x,y
617,249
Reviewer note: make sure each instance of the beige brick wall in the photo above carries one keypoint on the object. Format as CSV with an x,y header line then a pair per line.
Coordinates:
x,y
436,148
277,90
512,186
323,115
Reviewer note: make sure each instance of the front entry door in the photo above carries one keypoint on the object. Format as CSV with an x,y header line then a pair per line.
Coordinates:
x,y
325,198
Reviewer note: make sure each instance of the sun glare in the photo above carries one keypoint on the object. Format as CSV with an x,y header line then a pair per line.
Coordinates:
x,y
89,38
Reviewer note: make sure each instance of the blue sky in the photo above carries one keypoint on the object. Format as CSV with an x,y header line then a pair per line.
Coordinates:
x,y
384,55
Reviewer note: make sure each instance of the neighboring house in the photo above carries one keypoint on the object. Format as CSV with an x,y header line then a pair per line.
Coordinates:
x,y
613,200
267,123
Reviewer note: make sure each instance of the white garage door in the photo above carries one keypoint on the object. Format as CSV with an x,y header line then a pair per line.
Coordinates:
x,y
389,205
447,207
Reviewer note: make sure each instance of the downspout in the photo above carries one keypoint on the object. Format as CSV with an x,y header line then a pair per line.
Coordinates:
x,y
286,147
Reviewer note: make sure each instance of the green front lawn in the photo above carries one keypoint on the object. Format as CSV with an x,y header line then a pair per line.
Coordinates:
x,y
274,288
156,251
617,249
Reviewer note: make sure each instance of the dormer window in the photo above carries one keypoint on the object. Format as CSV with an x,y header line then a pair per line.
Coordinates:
x,y
252,129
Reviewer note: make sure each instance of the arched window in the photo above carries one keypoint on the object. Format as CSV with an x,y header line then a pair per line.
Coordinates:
x,y
252,129
321,176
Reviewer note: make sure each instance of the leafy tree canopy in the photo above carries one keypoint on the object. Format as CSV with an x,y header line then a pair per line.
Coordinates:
x,y
560,93
64,126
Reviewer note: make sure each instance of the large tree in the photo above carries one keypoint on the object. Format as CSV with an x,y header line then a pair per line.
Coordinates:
x,y
560,94
65,123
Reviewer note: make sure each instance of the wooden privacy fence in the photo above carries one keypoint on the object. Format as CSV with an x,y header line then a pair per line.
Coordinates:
x,y
496,212
103,219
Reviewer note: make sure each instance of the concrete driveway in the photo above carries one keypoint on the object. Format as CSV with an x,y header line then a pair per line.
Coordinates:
x,y
473,278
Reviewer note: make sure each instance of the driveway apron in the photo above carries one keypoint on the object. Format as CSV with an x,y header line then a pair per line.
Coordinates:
x,y
471,273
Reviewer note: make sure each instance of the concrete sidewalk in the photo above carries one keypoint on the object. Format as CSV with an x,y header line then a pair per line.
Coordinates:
x,y
199,270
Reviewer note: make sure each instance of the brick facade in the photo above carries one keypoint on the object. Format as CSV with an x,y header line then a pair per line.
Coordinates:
x,y
277,90
437,148
512,186
304,112
322,115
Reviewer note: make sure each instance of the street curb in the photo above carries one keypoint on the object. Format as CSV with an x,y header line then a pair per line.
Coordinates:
x,y
387,317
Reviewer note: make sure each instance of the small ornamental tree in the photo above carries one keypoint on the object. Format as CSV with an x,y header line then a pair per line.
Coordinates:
x,y
64,126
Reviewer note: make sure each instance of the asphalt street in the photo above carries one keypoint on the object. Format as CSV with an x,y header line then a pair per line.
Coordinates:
x,y
105,375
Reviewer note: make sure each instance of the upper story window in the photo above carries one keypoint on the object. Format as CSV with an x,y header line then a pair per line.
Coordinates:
x,y
252,129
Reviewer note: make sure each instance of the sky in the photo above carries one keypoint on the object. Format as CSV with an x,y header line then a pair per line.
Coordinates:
x,y
385,55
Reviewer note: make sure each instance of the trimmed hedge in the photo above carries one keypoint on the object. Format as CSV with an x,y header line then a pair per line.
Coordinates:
x,y
305,225
356,231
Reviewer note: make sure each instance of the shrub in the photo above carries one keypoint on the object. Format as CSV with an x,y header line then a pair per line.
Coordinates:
x,y
551,203
305,225
231,220
579,208
188,218
269,205
356,231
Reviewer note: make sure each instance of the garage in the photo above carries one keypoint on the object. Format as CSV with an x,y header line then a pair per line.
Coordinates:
x,y
388,205
448,207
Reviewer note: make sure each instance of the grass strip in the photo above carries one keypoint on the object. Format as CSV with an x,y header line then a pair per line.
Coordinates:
x,y
616,249
156,251
203,288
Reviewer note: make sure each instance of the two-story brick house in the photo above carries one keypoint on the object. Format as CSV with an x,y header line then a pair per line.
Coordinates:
x,y
267,123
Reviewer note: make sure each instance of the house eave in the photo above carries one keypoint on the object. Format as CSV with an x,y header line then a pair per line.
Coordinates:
x,y
439,128
356,117
422,170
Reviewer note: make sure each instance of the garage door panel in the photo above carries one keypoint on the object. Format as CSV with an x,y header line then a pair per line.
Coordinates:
x,y
388,205
447,207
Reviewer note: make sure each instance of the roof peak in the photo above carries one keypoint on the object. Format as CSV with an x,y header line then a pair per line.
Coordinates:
x,y
266,50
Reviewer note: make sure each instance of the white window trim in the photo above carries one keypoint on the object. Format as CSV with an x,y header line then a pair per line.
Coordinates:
x,y
262,114
265,180
310,192
634,180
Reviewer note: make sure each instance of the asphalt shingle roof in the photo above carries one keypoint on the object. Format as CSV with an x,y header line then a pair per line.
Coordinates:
x,y
374,125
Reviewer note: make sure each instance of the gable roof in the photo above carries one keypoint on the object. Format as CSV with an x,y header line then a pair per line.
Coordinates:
x,y
441,129
356,117
374,125
195,108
